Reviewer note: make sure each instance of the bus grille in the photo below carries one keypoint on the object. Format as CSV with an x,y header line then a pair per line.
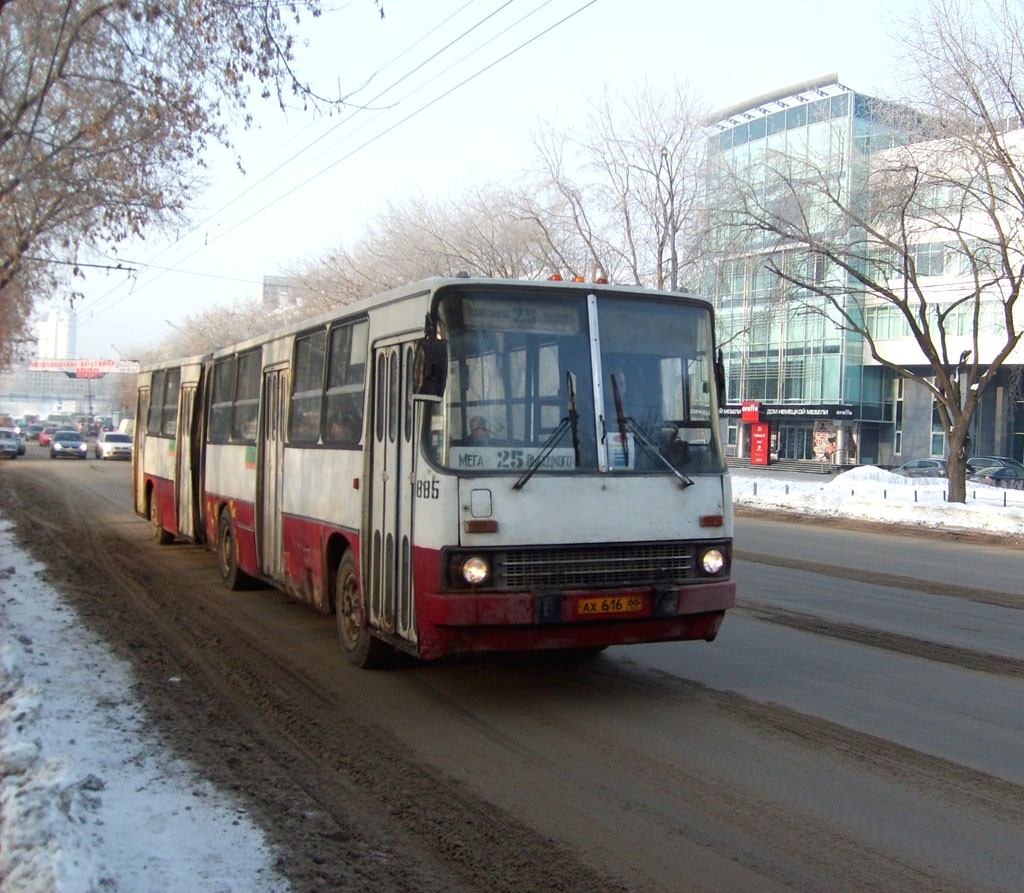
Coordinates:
x,y
586,567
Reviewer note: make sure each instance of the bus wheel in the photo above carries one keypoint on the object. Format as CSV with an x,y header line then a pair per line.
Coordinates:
x,y
361,647
227,555
160,536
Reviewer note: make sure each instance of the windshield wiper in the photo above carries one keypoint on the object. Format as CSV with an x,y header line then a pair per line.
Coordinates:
x,y
652,449
574,416
570,422
620,416
627,424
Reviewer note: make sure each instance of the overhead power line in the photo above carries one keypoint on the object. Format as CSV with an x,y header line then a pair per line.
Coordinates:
x,y
98,308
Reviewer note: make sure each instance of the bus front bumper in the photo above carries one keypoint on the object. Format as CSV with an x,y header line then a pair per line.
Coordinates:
x,y
519,621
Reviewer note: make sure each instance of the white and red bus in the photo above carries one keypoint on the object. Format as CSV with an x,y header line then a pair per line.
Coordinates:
x,y
460,465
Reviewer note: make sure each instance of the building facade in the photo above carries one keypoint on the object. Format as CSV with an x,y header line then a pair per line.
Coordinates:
x,y
800,385
56,333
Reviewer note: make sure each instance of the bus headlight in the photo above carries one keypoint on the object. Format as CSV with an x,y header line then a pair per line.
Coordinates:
x,y
475,570
712,561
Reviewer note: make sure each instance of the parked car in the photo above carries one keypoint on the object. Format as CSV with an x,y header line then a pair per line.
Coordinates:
x,y
1008,476
68,445
113,445
17,436
978,463
46,435
923,468
9,444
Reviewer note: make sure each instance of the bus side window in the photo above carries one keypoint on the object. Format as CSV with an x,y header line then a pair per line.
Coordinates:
x,y
308,387
245,410
220,401
343,409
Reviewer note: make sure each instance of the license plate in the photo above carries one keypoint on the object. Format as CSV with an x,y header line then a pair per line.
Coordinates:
x,y
607,605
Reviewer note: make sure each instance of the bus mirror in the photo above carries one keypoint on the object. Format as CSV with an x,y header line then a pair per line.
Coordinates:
x,y
720,377
430,369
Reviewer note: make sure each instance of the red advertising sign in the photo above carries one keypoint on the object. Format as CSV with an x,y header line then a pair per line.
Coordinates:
x,y
759,443
751,411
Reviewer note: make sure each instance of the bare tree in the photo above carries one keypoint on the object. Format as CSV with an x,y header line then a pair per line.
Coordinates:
x,y
479,231
625,189
861,246
106,107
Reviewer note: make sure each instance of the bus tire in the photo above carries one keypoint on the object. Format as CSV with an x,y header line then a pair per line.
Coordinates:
x,y
227,555
360,646
160,536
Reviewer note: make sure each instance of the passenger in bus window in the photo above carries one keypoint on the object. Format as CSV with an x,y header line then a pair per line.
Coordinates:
x,y
478,432
345,428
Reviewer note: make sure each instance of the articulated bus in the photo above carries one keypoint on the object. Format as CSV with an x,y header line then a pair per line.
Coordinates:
x,y
461,465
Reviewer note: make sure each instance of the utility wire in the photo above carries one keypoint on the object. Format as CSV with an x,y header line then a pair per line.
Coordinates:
x,y
96,311
98,307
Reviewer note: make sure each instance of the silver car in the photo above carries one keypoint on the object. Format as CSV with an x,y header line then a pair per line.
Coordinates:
x,y
9,445
113,445
20,440
923,468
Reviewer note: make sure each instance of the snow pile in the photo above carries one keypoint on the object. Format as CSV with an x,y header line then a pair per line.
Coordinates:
x,y
43,806
88,800
868,493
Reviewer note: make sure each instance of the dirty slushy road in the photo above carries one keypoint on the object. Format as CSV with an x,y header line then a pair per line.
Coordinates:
x,y
840,735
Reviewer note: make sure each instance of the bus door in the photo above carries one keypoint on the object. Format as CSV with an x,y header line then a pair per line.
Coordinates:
x,y
269,489
183,463
139,451
387,555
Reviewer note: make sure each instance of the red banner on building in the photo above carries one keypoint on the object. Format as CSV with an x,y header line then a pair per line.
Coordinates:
x,y
84,368
751,411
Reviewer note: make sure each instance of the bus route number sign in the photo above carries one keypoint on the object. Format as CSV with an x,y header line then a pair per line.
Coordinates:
x,y
606,605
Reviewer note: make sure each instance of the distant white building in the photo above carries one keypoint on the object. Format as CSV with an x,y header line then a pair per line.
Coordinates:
x,y
56,333
281,291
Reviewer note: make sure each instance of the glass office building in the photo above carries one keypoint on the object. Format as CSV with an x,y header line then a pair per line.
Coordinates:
x,y
788,366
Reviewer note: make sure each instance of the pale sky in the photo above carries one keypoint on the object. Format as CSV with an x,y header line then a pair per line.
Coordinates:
x,y
446,112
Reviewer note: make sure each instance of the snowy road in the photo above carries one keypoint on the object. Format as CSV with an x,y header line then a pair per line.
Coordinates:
x,y
797,751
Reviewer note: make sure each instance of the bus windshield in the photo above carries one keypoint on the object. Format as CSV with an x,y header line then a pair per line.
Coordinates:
x,y
580,383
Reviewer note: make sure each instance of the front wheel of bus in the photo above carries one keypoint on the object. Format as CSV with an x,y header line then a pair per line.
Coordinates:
x,y
363,649
227,555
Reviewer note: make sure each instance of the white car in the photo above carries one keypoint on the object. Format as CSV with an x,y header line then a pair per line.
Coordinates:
x,y
113,445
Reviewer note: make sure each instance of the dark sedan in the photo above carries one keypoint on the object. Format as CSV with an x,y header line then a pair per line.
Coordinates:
x,y
978,463
68,445
1000,476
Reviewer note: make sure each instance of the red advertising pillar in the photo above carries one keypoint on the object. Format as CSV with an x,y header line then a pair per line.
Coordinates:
x,y
759,443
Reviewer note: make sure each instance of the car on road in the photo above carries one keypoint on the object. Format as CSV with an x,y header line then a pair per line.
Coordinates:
x,y
113,445
922,468
17,436
978,463
46,435
1007,476
68,445
10,444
